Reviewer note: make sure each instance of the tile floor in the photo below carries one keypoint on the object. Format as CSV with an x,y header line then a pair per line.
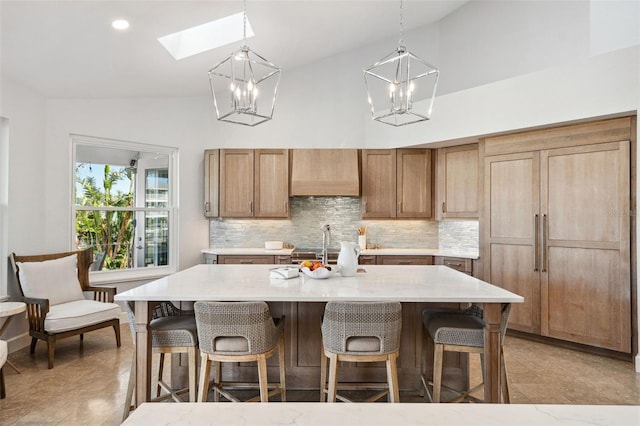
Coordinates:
x,y
88,383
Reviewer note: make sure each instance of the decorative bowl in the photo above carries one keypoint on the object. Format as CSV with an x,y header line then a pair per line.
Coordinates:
x,y
273,245
319,273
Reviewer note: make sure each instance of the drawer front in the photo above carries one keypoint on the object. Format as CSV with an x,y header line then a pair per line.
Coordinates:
x,y
405,260
367,260
458,263
245,260
282,260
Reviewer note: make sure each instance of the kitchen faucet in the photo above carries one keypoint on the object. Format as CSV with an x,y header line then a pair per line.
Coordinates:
x,y
326,239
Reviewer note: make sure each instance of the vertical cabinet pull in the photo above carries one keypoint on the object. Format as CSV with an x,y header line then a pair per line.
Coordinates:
x,y
444,207
400,206
543,246
536,230
206,207
250,206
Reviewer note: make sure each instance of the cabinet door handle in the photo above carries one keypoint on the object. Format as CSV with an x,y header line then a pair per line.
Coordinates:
x,y
250,206
400,206
452,264
444,207
365,206
536,221
544,243
246,262
286,206
404,262
206,207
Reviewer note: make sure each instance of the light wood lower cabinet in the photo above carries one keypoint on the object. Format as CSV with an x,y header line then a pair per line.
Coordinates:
x,y
458,263
557,232
254,259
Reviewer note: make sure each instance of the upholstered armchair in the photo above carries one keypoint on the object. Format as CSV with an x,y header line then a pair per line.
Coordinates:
x,y
53,286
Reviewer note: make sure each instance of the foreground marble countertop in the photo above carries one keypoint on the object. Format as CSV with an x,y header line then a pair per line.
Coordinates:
x,y
368,252
410,283
374,414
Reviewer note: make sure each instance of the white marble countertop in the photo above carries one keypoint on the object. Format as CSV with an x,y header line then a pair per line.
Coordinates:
x,y
247,251
368,252
407,283
381,414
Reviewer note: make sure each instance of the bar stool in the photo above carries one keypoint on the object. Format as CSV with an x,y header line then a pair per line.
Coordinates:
x,y
239,332
172,331
360,332
459,331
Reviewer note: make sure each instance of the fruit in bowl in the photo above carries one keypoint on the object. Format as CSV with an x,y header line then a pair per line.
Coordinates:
x,y
315,269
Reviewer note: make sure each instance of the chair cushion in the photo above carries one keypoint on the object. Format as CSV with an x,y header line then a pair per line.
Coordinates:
x,y
4,352
79,313
453,328
363,344
174,331
56,280
231,344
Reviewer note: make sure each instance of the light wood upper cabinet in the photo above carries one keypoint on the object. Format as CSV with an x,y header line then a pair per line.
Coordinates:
x,y
556,230
211,182
396,184
378,183
457,182
254,183
413,184
271,183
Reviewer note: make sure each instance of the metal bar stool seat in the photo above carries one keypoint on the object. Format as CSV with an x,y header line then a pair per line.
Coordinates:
x,y
458,331
360,332
239,332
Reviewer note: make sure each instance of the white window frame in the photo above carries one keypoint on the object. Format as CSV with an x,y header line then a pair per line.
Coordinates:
x,y
133,274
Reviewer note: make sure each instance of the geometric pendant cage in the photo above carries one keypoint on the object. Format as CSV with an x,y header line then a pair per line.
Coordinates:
x,y
401,87
244,85
244,88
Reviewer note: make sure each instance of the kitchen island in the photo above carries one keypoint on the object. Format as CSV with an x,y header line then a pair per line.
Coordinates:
x,y
302,300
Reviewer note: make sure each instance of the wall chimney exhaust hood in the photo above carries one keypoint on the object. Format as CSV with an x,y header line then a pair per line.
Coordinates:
x,y
325,172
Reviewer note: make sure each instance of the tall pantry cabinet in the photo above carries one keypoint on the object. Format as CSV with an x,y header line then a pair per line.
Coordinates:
x,y
557,231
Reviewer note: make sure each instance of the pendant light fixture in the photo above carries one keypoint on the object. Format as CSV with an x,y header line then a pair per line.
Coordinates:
x,y
244,85
401,87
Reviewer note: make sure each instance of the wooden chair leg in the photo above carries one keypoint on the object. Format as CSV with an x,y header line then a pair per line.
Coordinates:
x,y
217,378
51,348
81,337
33,345
160,374
392,378
116,329
262,378
193,373
333,377
130,388
205,371
323,375
437,371
506,397
3,392
283,379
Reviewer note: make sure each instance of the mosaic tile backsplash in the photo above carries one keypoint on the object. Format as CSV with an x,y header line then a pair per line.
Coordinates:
x,y
310,214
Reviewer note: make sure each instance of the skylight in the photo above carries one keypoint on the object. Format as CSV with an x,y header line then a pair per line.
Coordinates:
x,y
201,38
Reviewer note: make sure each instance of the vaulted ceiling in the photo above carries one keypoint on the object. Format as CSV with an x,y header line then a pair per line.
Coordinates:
x,y
68,49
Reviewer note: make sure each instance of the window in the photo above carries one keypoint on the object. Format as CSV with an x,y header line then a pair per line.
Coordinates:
x,y
124,206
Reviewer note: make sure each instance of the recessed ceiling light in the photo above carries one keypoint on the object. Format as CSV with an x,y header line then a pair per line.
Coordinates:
x,y
120,24
201,38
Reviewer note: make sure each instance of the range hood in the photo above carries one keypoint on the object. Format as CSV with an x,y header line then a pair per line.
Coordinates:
x,y
324,172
